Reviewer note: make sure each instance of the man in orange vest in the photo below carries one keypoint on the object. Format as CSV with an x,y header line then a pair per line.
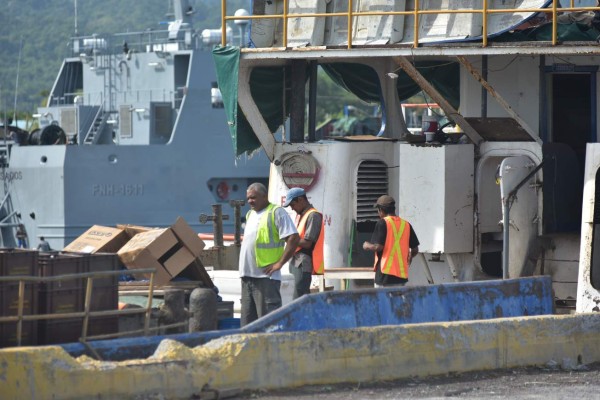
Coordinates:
x,y
308,258
394,243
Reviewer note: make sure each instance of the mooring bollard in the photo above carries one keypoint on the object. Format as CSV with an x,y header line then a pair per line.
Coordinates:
x,y
203,310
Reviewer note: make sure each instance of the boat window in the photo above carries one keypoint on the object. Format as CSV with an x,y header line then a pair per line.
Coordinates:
x,y
162,122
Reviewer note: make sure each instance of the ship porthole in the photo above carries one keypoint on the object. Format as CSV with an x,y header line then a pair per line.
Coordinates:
x,y
44,160
112,159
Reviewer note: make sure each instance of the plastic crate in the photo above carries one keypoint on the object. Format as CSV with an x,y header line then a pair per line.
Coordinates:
x,y
55,263
8,334
69,330
18,262
15,262
9,303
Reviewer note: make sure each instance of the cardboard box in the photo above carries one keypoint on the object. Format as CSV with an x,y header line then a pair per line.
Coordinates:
x,y
99,239
133,230
155,241
172,251
188,236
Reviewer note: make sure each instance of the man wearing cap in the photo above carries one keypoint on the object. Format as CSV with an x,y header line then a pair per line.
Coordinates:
x,y
270,239
308,258
394,243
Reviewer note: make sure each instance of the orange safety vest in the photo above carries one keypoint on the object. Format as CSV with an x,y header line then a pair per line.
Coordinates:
x,y
394,260
317,252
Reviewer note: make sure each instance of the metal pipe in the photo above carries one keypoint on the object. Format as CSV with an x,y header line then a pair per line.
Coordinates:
x,y
350,23
416,28
223,22
506,217
237,220
218,224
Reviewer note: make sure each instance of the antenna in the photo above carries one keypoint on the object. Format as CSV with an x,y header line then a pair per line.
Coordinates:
x,y
75,5
17,81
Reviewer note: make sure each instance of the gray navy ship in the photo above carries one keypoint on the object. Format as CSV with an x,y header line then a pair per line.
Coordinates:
x,y
133,133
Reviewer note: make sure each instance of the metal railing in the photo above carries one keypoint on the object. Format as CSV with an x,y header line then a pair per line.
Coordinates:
x,y
86,314
485,11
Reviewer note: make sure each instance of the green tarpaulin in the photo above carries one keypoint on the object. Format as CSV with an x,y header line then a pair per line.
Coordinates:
x,y
267,89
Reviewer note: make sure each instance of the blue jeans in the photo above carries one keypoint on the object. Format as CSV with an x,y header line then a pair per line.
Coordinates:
x,y
260,296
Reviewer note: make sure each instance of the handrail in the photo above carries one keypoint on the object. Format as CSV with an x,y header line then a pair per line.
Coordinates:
x,y
485,11
87,313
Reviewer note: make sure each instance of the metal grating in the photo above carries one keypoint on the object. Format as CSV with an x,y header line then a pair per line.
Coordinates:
x,y
68,120
125,128
371,182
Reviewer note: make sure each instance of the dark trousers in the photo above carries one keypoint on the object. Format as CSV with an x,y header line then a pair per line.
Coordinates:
x,y
260,296
302,281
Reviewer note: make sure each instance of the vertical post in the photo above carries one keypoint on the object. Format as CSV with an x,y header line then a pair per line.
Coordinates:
x,y
218,225
223,23
485,21
285,22
218,232
20,312
554,21
350,23
312,101
416,28
86,307
297,101
237,220
505,235
149,305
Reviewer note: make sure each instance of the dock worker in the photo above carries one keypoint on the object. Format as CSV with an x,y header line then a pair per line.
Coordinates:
x,y
270,240
21,235
43,245
308,258
394,243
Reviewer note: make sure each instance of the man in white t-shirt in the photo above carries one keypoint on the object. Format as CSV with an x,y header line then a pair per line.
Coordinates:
x,y
270,240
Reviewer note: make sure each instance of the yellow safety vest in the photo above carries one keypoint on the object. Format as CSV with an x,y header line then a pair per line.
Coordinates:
x,y
268,247
317,252
394,260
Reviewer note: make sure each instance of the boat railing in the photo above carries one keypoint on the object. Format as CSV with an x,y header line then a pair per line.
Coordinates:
x,y
140,96
87,313
130,42
553,10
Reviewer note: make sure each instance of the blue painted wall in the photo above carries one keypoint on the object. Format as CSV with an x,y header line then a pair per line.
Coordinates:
x,y
367,307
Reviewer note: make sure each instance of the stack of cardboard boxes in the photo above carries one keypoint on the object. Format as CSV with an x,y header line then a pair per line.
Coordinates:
x,y
173,252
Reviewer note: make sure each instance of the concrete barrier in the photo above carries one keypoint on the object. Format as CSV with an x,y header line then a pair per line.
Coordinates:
x,y
289,359
363,308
